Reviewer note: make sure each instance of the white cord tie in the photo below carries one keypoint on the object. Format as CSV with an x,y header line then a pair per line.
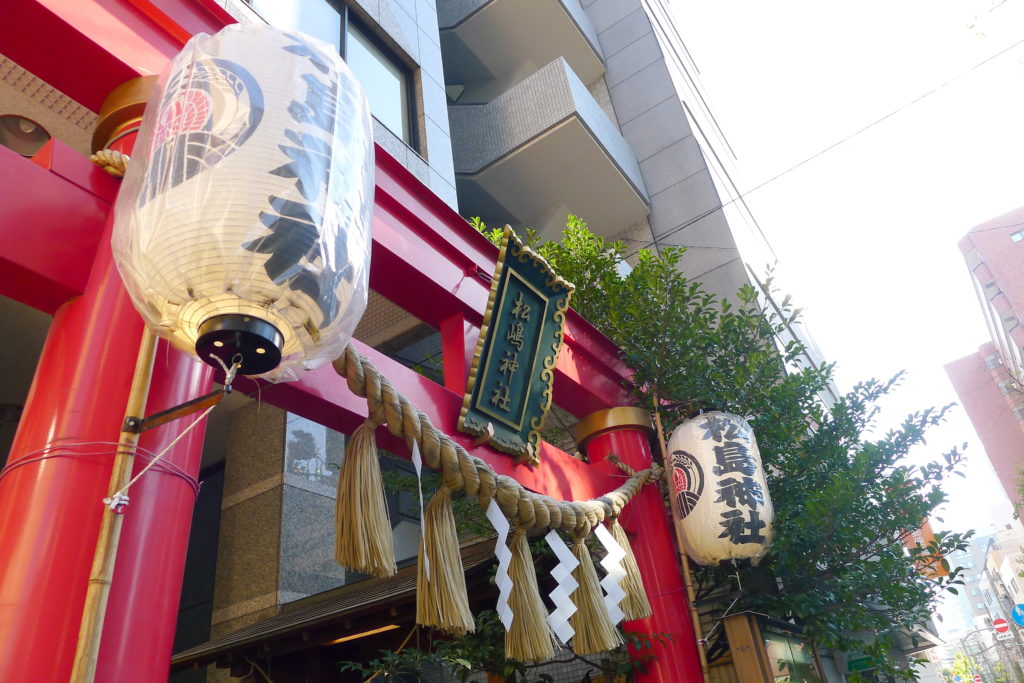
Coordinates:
x,y
117,502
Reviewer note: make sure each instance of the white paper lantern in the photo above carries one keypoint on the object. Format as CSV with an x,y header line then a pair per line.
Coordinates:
x,y
720,489
243,225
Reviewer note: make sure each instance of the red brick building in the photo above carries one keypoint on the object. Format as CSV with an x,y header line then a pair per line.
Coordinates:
x,y
989,382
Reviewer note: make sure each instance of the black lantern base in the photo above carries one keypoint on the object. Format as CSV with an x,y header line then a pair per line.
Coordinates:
x,y
255,343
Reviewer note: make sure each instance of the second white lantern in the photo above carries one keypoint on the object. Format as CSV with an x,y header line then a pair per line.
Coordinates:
x,y
720,489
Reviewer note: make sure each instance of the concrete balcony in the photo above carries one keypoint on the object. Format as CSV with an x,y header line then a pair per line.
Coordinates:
x,y
541,150
499,41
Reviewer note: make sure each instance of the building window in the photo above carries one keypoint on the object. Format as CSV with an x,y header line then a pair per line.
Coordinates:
x,y
1008,386
993,361
386,80
1017,236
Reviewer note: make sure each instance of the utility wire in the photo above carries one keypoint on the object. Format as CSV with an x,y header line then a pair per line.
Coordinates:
x,y
839,142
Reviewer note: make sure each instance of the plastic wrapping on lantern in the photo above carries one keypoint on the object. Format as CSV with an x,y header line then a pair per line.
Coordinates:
x,y
720,491
251,192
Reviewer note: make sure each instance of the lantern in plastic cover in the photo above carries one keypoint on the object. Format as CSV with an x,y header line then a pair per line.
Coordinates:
x,y
243,227
720,489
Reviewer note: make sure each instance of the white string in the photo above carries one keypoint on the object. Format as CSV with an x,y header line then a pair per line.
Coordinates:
x,y
229,374
54,450
165,467
120,498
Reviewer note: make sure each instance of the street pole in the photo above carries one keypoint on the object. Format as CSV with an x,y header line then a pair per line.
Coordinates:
x,y
983,666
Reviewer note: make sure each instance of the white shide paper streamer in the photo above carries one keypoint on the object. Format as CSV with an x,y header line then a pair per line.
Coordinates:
x,y
504,555
417,462
612,563
561,595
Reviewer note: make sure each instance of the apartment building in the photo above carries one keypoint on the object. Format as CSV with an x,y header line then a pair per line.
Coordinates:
x,y
988,382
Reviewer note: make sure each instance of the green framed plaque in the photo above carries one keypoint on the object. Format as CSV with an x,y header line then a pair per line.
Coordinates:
x,y
509,389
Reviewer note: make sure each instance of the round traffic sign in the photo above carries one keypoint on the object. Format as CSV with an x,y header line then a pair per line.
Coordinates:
x,y
1000,625
1017,614
977,678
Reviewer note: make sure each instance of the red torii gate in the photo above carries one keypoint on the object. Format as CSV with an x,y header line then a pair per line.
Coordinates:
x,y
425,258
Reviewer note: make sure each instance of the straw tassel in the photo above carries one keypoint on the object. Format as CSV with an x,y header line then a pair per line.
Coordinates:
x,y
441,600
594,630
635,604
529,638
363,540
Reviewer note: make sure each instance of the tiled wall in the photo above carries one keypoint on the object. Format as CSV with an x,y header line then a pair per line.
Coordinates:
x,y
653,120
23,94
490,131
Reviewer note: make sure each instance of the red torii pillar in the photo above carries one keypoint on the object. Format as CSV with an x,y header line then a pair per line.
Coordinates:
x,y
58,472
626,432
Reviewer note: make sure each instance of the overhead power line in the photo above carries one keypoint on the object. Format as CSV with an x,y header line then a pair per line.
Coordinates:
x,y
829,148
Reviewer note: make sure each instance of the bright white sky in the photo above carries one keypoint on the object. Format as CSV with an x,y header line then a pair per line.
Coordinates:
x,y
866,233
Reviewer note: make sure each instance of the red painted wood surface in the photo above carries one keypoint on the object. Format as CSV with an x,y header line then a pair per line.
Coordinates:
x,y
646,522
50,508
43,263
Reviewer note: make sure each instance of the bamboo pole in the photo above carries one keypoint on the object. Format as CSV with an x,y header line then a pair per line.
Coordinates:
x,y
94,612
676,514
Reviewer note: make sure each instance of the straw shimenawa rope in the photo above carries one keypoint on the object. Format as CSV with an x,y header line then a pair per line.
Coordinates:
x,y
595,631
363,540
529,638
113,162
460,470
635,605
444,603
440,579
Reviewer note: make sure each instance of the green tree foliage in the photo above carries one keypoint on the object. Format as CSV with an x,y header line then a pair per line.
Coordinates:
x,y
465,657
845,498
462,657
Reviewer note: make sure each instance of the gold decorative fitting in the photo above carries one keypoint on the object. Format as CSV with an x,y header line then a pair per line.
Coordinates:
x,y
124,104
610,420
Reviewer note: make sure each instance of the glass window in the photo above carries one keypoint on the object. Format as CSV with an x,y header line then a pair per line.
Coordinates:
x,y
1017,236
384,80
313,17
791,658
